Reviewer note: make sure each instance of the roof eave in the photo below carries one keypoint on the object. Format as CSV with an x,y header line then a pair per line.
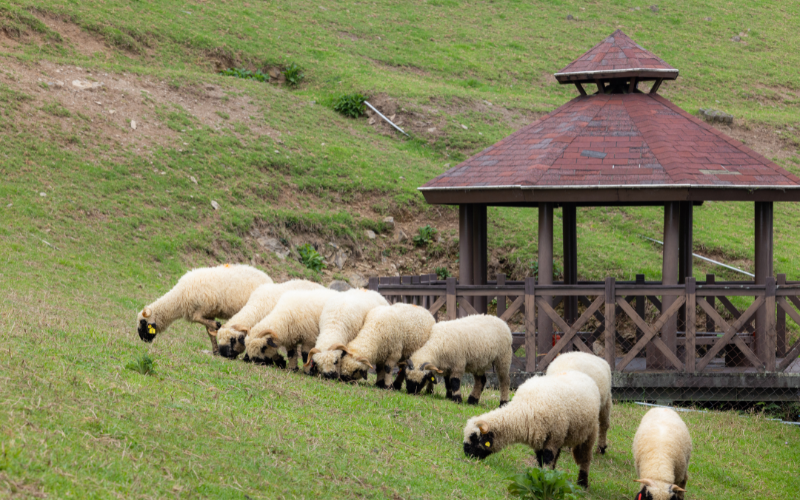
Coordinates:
x,y
640,73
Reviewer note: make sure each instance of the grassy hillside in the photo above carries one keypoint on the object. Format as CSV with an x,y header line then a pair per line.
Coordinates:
x,y
98,217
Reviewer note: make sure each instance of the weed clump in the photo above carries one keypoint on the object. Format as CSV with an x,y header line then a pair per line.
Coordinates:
x,y
246,74
294,75
351,105
424,236
144,364
442,273
310,258
538,484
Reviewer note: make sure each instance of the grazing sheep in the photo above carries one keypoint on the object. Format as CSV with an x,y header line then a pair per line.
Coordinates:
x,y
597,368
294,320
340,322
547,414
201,296
662,447
230,337
390,335
468,345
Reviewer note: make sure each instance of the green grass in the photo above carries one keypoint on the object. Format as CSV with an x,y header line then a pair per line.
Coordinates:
x,y
119,224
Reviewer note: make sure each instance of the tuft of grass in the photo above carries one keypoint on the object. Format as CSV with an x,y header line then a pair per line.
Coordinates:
x,y
350,105
56,109
424,236
246,74
294,75
144,364
442,273
310,258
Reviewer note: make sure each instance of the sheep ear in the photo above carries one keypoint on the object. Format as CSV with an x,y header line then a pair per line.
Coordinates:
x,y
483,427
647,482
339,347
310,361
147,312
240,328
677,489
261,335
434,369
365,361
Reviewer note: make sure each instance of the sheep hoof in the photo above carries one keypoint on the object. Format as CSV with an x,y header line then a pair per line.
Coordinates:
x,y
583,479
602,449
472,400
502,404
219,325
457,399
380,384
397,386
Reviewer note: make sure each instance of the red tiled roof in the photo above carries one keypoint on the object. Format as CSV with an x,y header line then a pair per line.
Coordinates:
x,y
625,140
616,56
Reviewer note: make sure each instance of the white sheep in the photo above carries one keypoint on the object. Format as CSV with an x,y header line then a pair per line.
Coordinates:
x,y
662,447
597,368
201,296
230,337
473,344
293,321
547,414
390,335
340,322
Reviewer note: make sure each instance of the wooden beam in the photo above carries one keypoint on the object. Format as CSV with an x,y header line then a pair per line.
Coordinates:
x,y
650,333
763,269
479,254
451,299
657,84
730,331
530,325
691,323
632,87
580,88
465,258
669,276
545,331
610,317
600,87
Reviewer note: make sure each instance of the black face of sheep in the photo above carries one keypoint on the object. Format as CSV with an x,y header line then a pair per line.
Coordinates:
x,y
278,361
479,445
357,375
416,387
229,350
646,495
147,331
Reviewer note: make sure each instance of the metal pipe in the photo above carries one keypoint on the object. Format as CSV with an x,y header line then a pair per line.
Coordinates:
x,y
387,120
708,260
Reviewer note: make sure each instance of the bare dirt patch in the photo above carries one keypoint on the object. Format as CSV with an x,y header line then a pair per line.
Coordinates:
x,y
405,68
85,43
762,139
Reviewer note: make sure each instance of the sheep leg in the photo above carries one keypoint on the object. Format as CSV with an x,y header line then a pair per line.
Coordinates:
x,y
429,387
455,387
477,390
398,381
448,393
291,363
550,457
212,326
605,423
380,370
583,457
502,371
682,485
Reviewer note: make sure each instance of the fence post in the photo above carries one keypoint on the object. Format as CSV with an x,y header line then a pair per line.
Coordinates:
x,y
373,284
501,299
451,299
610,332
691,323
530,325
781,324
641,304
416,299
770,326
710,325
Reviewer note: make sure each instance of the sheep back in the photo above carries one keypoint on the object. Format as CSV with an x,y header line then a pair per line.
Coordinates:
x,y
662,448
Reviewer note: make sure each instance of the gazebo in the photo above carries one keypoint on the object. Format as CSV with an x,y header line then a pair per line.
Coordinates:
x,y
620,146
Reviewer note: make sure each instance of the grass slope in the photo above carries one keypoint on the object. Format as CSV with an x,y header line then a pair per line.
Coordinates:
x,y
97,219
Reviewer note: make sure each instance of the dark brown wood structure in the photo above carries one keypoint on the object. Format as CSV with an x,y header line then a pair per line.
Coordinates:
x,y
623,147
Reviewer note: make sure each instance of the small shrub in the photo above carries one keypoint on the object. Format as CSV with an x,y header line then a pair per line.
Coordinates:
x,y
442,273
246,74
310,258
293,74
350,105
144,364
424,236
538,484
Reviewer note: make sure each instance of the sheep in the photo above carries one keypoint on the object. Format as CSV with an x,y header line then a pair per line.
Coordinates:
x,y
340,322
294,320
547,413
201,296
468,345
230,337
390,334
662,447
597,368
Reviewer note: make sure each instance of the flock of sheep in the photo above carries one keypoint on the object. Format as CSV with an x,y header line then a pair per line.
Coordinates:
x,y
341,335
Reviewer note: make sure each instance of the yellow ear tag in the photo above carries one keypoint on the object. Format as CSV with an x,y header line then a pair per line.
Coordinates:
x,y
151,330
433,379
488,444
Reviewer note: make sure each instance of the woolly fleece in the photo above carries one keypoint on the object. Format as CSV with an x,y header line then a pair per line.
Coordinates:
x,y
473,344
597,368
662,448
341,320
203,295
293,321
260,304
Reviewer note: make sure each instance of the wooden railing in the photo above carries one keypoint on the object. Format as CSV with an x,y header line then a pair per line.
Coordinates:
x,y
732,345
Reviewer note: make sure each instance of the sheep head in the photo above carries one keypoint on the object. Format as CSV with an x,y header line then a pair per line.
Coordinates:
x,y
230,340
260,348
146,325
417,378
328,362
354,367
658,490
479,439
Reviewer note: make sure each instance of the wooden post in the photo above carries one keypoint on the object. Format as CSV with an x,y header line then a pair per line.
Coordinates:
x,y
406,280
416,299
641,308
655,86
580,88
530,325
669,276
373,284
710,325
501,299
610,315
691,313
781,324
770,330
570,225
545,273
685,250
763,270
479,251
451,299
465,227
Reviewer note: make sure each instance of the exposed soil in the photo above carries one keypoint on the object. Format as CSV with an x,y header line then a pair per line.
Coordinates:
x,y
84,42
760,138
